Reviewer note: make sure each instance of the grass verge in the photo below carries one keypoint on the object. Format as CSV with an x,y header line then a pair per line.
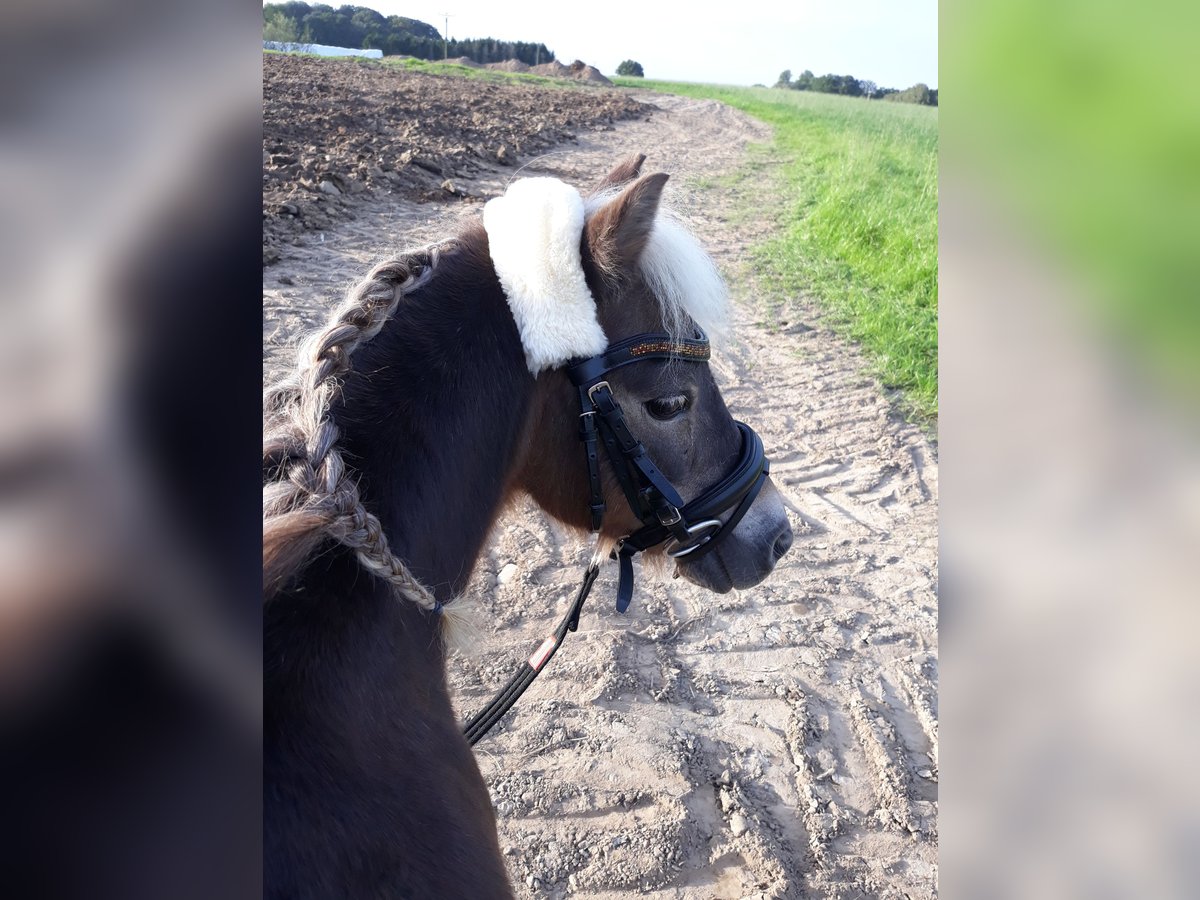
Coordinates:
x,y
434,67
857,229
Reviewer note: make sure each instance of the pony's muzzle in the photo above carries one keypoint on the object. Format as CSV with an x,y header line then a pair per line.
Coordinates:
x,y
749,553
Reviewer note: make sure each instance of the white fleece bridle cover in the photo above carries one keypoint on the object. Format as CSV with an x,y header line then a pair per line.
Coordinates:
x,y
534,233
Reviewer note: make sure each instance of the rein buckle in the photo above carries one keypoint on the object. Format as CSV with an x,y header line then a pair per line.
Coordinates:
x,y
595,387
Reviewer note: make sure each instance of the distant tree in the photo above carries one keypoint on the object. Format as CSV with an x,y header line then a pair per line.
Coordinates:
x,y
366,18
357,26
413,27
849,86
846,85
278,27
327,27
369,25
918,93
629,67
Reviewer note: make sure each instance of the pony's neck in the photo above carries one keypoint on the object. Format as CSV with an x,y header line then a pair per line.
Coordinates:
x,y
434,417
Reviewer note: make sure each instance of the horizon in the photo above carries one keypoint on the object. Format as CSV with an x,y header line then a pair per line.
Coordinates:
x,y
892,44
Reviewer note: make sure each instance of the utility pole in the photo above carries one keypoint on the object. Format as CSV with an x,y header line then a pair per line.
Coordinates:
x,y
446,37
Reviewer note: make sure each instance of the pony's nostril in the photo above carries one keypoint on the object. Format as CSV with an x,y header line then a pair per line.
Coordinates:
x,y
783,543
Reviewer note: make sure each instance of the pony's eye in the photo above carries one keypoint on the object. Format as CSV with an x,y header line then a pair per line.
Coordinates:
x,y
667,407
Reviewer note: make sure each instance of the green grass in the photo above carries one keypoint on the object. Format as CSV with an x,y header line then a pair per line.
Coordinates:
x,y
856,186
434,67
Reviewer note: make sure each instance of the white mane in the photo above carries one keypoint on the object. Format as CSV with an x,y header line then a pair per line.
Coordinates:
x,y
680,273
684,278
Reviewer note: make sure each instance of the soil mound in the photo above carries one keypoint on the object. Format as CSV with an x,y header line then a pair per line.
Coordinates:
x,y
589,73
509,65
577,71
553,69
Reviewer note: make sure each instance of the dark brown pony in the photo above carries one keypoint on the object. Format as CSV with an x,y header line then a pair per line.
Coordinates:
x,y
371,789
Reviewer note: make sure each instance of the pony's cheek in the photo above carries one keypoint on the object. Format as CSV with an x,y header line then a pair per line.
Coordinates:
x,y
671,444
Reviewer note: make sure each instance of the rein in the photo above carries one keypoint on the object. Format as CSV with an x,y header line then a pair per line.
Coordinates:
x,y
689,529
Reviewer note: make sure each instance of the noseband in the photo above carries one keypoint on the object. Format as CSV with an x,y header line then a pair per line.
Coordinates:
x,y
691,529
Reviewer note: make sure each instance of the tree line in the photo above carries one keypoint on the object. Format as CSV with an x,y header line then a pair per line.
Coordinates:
x,y
850,86
361,28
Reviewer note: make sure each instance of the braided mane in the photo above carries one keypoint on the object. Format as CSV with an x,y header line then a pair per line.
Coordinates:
x,y
309,496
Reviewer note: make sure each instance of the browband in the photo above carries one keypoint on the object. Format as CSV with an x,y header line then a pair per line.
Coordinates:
x,y
636,349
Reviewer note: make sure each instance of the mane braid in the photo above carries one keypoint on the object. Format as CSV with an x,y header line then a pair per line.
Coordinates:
x,y
309,496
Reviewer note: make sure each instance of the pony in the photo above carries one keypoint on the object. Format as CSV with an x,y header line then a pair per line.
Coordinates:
x,y
438,392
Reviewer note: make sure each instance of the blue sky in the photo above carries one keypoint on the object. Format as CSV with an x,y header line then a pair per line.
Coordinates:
x,y
891,42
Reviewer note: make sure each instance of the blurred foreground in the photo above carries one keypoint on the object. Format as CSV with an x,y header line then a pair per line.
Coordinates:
x,y
1070,379
129,622
130,672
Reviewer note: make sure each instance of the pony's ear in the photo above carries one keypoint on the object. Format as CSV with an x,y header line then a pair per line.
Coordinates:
x,y
626,170
616,234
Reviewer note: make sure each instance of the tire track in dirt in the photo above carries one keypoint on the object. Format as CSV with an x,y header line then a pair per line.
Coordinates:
x,y
775,742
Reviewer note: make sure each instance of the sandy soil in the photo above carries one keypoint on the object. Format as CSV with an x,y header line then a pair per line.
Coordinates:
x,y
777,742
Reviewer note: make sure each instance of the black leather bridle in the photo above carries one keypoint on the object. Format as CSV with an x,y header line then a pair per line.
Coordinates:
x,y
692,529
689,529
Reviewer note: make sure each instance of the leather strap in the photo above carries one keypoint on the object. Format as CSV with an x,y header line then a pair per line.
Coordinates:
x,y
651,496
625,577
587,433
484,720
732,522
630,460
635,349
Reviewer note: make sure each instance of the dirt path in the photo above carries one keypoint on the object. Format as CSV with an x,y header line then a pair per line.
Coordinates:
x,y
777,742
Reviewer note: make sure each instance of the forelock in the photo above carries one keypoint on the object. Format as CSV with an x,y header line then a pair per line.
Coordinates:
x,y
680,274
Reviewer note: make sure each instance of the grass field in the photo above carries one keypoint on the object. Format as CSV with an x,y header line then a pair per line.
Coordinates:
x,y
434,67
857,222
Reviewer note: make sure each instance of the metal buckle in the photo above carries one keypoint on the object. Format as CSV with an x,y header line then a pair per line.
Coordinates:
x,y
671,521
712,525
595,387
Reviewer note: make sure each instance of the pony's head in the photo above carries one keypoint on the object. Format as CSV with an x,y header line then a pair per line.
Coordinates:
x,y
645,274
611,298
